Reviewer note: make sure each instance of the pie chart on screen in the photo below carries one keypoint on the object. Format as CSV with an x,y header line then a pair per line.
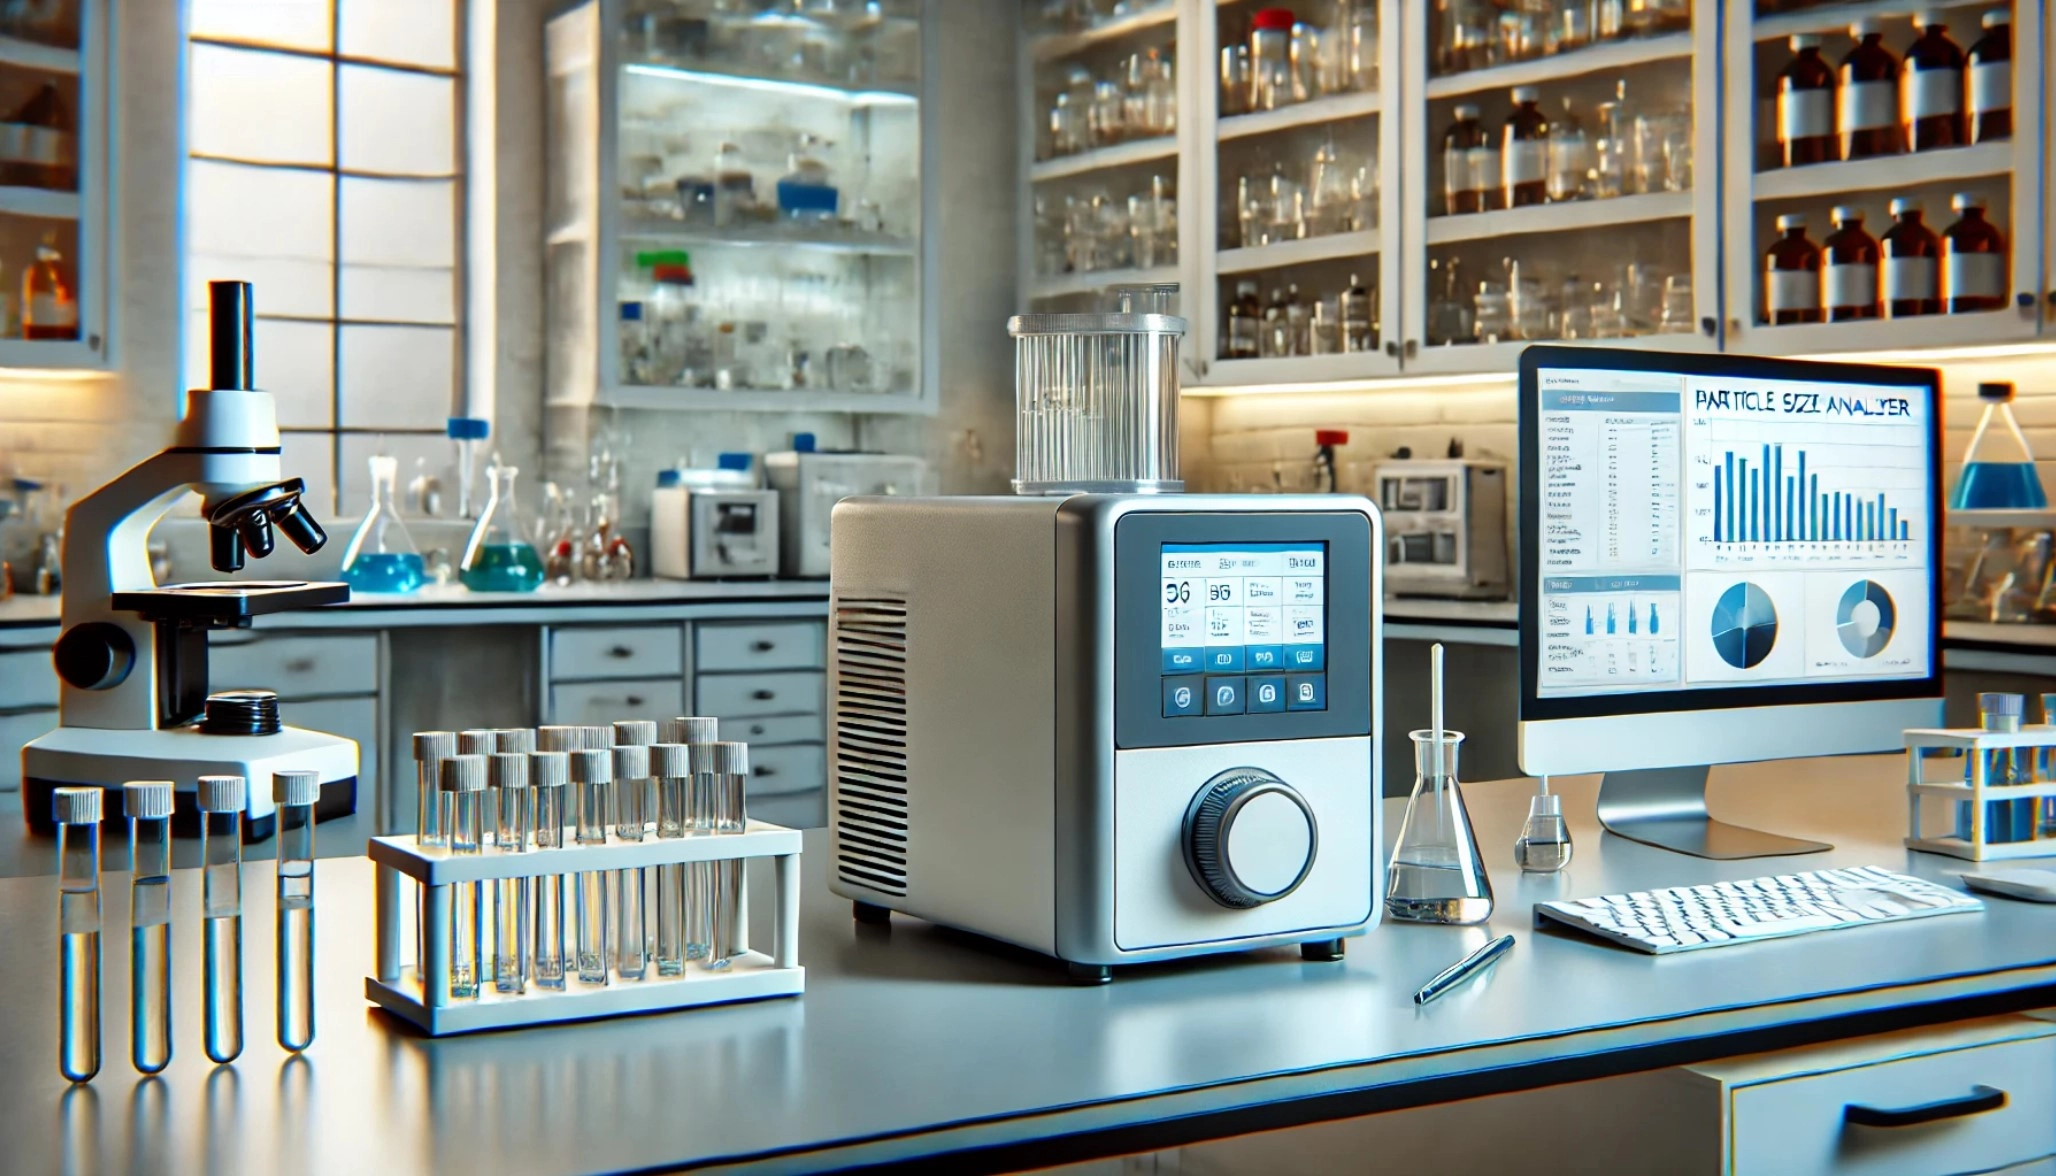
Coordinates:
x,y
1745,626
1864,618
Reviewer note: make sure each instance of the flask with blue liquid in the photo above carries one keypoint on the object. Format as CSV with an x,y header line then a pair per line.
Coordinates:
x,y
1998,469
381,556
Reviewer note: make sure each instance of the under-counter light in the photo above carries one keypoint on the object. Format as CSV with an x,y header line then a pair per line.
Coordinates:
x,y
12,376
1385,384
1935,355
776,86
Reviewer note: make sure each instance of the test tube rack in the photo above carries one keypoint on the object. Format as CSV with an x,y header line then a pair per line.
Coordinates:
x,y
752,975
1969,784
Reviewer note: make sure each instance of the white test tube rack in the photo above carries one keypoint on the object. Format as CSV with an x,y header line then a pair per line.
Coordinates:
x,y
399,987
1968,783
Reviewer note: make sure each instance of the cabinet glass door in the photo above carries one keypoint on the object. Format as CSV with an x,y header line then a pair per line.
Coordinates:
x,y
52,184
1558,159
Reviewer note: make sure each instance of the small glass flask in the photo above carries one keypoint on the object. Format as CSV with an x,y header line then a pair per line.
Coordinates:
x,y
1437,875
1999,471
78,925
499,557
1545,842
381,556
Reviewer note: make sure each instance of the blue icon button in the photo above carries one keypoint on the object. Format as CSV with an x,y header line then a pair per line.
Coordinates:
x,y
1183,660
1224,696
1263,657
1306,657
1266,695
1224,659
1306,692
1183,696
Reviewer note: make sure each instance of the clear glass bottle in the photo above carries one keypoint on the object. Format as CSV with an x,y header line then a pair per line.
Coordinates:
x,y
1868,100
1329,201
221,801
1296,321
1359,321
499,557
1931,87
1437,874
1570,157
1356,22
1235,80
1991,79
1524,151
1912,263
1806,106
1791,275
381,556
604,553
77,812
1849,268
295,792
147,803
49,305
1242,338
1276,341
2006,821
1544,846
1464,163
463,803
1973,259
549,775
1999,471
1270,59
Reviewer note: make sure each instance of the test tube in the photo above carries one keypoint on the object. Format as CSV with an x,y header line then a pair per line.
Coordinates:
x,y
2045,822
295,792
671,767
431,748
731,764
557,738
148,806
696,732
507,774
548,773
689,731
477,741
631,942
77,811
463,788
2006,821
592,774
221,882
514,740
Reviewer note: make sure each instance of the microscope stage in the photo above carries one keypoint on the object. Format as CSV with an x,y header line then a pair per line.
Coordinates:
x,y
226,603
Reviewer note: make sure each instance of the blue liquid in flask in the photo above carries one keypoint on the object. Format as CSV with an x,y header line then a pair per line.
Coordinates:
x,y
1999,485
504,567
385,571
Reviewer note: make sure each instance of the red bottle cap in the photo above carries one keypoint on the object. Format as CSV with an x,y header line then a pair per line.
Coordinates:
x,y
1275,19
1331,436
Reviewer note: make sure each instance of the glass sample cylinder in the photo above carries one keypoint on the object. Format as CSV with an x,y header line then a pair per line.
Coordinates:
x,y
1437,875
2006,821
549,774
221,800
1096,403
671,767
507,777
78,928
631,781
1545,842
728,769
463,788
295,793
592,775
148,806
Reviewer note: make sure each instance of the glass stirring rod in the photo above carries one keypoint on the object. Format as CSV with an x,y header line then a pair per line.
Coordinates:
x,y
78,924
592,774
221,880
147,804
548,772
295,792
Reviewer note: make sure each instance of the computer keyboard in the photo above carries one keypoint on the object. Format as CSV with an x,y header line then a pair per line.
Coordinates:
x,y
1687,918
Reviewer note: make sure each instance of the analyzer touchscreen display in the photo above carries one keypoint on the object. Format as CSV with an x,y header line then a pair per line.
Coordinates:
x,y
1244,627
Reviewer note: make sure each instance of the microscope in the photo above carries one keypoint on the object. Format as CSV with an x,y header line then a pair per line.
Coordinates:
x,y
132,656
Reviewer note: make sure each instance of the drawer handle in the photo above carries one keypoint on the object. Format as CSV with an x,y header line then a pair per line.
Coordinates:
x,y
761,770
634,700
763,646
300,665
763,695
1980,1099
756,728
620,651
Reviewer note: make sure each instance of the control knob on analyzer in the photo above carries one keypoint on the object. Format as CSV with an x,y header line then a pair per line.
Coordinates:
x,y
1250,838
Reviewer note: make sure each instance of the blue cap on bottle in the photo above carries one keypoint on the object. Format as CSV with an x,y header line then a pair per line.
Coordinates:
x,y
666,479
803,443
734,461
631,312
468,429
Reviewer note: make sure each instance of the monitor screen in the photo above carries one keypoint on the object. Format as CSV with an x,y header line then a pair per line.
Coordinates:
x,y
1251,609
1713,528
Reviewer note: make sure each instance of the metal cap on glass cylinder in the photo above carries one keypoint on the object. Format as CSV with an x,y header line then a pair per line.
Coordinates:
x,y
1096,403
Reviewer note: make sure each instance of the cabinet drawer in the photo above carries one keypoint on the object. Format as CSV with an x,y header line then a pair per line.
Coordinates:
x,y
1800,1124
294,666
799,810
592,704
742,696
16,730
630,651
786,645
782,770
27,678
776,729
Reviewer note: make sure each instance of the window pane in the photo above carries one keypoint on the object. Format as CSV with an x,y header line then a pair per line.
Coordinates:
x,y
400,250
268,107
411,32
397,377
398,123
295,363
417,455
311,458
291,24
270,226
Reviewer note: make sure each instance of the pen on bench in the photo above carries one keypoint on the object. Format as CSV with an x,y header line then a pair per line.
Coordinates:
x,y
1464,969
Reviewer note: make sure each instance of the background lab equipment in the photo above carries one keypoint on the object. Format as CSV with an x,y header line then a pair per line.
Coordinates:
x,y
132,656
810,483
1445,528
1723,560
712,524
1103,720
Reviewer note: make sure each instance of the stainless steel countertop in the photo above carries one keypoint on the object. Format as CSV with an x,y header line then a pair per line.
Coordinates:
x,y
914,1041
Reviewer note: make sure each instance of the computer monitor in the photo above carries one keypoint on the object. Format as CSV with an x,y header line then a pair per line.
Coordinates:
x,y
1723,560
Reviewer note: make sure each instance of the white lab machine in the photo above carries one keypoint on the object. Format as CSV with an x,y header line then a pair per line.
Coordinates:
x,y
809,484
713,524
1102,720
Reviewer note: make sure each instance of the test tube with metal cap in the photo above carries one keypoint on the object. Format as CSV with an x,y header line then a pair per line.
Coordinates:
x,y
477,741
431,748
631,932
548,774
557,738
691,730
463,789
295,792
77,811
638,733
695,731
221,883
592,775
507,776
514,740
730,767
671,768
147,804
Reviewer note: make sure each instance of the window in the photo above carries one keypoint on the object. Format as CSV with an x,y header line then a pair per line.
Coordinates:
x,y
324,165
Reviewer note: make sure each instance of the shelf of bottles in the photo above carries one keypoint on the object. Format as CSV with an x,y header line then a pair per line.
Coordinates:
x,y
1887,195
753,238
49,306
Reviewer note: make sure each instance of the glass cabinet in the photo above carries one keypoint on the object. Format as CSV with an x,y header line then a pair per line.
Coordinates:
x,y
736,205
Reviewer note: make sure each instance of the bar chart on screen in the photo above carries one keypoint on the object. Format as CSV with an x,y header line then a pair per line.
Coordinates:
x,y
1778,492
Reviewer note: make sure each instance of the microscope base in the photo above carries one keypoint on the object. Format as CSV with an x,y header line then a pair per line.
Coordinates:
x,y
86,756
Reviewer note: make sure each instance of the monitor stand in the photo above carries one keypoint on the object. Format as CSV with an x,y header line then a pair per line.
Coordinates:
x,y
1666,808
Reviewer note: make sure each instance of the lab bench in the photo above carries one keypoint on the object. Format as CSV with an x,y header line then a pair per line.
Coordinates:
x,y
942,1051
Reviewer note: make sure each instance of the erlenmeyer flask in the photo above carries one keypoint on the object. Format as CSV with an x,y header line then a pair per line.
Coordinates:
x,y
1436,875
381,556
499,557
1998,468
